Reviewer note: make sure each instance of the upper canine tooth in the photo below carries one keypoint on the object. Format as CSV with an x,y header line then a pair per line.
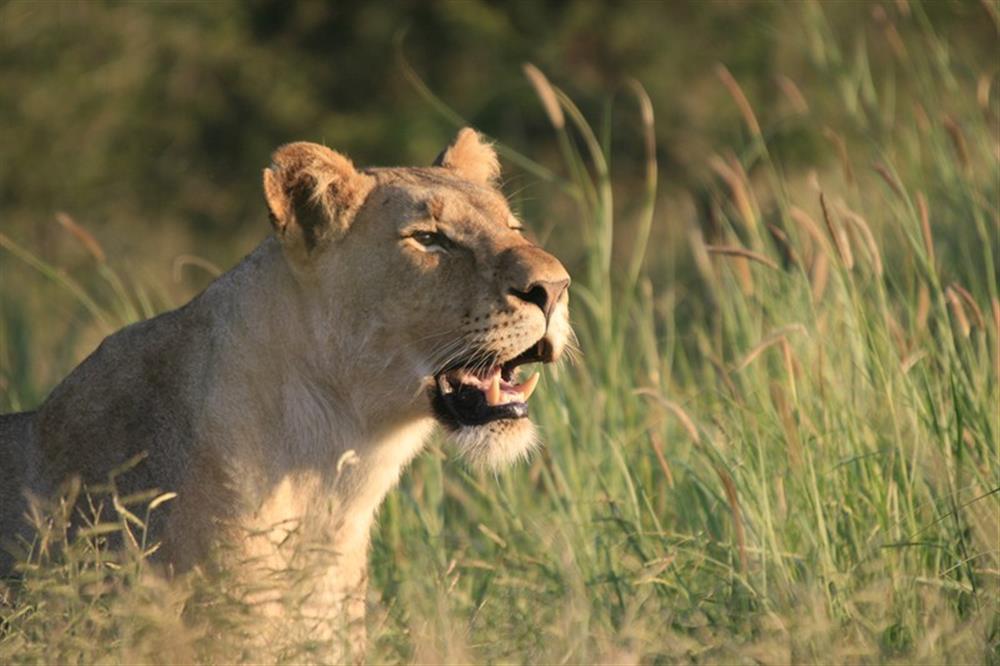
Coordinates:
x,y
493,394
528,386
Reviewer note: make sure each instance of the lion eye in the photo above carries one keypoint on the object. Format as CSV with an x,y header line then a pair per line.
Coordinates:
x,y
432,240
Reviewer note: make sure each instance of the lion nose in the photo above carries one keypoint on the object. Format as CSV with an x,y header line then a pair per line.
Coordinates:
x,y
543,293
534,276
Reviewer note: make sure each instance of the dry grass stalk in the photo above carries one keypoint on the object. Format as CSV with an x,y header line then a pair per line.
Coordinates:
x,y
996,316
741,100
923,307
742,269
757,351
841,147
492,536
744,179
779,235
701,259
983,91
60,276
820,276
647,118
819,377
546,94
814,241
779,493
185,260
738,190
925,229
734,508
839,237
866,236
791,367
736,251
977,313
773,338
85,238
996,337
890,180
957,140
787,425
907,363
808,224
992,10
923,120
958,312
674,409
657,443
889,32
793,94
898,335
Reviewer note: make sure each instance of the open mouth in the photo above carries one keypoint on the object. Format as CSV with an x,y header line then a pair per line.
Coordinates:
x,y
467,394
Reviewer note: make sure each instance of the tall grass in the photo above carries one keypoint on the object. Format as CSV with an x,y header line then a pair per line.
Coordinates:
x,y
780,444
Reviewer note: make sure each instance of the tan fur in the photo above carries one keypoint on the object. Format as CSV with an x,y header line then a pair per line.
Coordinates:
x,y
469,157
283,403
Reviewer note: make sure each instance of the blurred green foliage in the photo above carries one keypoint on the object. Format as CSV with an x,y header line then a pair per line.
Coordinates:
x,y
139,116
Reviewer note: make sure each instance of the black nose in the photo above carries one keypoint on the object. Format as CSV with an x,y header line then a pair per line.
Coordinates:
x,y
544,294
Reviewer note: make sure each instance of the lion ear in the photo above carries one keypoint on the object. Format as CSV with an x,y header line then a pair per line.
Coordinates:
x,y
471,157
313,194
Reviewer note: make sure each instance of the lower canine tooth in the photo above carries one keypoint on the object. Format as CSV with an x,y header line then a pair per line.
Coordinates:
x,y
528,386
493,394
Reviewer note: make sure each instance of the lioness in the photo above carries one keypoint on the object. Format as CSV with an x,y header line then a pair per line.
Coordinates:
x,y
283,402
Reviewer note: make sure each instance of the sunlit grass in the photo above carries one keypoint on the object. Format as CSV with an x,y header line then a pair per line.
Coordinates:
x,y
787,452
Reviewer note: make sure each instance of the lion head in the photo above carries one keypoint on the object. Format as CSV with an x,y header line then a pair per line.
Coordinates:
x,y
427,298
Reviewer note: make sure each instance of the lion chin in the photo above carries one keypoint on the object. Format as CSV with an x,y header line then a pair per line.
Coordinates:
x,y
495,445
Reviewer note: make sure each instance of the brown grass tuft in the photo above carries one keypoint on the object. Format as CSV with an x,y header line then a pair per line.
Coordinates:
x,y
734,251
85,238
866,236
741,100
782,239
923,307
841,147
890,180
778,336
674,409
738,189
977,313
925,229
546,94
958,312
788,424
793,94
983,85
734,509
819,276
657,443
838,235
957,140
817,242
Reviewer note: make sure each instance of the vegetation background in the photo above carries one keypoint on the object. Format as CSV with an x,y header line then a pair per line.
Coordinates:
x,y
781,442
